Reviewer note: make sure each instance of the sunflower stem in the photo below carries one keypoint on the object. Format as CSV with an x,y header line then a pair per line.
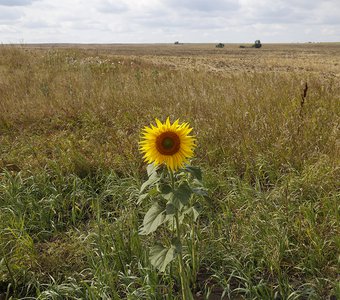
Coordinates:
x,y
186,293
193,254
184,286
172,178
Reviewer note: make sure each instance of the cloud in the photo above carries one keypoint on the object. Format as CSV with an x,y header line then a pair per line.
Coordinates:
x,y
15,2
289,11
36,24
186,15
8,15
331,13
203,5
112,6
122,21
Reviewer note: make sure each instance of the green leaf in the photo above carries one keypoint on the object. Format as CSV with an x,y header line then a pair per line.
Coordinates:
x,y
153,219
166,191
153,178
194,211
151,192
170,211
200,191
142,197
160,256
151,169
176,243
195,172
182,195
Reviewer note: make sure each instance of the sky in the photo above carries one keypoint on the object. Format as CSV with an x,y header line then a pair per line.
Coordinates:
x,y
166,21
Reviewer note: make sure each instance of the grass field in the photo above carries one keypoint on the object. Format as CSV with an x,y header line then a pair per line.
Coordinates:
x,y
70,169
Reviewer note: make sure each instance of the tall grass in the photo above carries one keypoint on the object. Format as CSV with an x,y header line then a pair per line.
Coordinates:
x,y
71,171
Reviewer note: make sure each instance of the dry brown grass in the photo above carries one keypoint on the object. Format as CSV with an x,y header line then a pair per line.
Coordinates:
x,y
70,114
94,101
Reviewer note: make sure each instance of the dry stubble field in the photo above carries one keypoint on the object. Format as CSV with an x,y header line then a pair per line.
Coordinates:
x,y
70,119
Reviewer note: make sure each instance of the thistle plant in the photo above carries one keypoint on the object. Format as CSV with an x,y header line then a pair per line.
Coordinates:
x,y
174,188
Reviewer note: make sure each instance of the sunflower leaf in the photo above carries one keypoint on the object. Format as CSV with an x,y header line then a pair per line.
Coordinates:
x,y
200,191
142,197
151,193
182,195
194,211
160,256
170,211
166,191
175,242
164,188
151,169
153,178
196,172
153,219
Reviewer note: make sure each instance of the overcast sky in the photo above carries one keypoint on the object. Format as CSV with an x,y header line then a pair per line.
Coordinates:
x,y
166,21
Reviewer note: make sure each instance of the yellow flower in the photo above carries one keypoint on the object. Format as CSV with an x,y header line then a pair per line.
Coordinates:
x,y
167,143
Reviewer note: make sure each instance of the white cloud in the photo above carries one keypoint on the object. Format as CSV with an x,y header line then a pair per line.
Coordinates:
x,y
121,21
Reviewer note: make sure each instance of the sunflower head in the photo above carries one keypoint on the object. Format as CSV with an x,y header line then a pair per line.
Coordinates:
x,y
167,143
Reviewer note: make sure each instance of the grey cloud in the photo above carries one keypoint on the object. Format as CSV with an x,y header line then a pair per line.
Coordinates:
x,y
34,24
164,20
279,15
89,25
203,5
283,12
9,15
192,15
301,4
331,20
177,22
330,13
107,6
15,2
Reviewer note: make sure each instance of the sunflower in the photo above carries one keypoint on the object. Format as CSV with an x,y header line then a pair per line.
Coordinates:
x,y
167,143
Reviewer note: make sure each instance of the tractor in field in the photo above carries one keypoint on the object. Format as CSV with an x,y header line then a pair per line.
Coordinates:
x,y
219,45
257,44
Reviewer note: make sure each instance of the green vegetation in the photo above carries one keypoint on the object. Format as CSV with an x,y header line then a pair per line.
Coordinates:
x,y
71,172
